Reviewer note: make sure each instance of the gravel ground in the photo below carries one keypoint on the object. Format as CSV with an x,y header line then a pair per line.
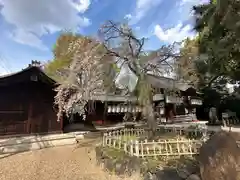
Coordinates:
x,y
59,163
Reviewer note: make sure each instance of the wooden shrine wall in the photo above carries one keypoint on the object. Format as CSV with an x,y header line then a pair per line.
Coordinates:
x,y
27,108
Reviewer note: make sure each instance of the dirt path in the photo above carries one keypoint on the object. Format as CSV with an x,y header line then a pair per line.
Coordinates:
x,y
60,163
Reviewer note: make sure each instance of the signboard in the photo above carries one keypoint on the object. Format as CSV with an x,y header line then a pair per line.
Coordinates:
x,y
196,101
124,109
225,115
174,100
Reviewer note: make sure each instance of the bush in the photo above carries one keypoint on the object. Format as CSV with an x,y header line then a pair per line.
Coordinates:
x,y
116,161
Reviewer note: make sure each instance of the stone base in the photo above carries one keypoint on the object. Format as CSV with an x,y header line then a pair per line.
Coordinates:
x,y
120,166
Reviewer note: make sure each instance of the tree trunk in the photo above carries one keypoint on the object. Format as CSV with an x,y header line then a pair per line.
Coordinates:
x,y
147,101
150,118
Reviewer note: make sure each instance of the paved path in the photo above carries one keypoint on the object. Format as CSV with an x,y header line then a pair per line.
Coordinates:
x,y
59,163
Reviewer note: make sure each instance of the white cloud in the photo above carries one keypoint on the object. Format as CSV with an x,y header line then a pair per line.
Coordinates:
x,y
142,8
137,28
3,68
183,2
81,5
128,16
24,37
3,71
33,19
175,34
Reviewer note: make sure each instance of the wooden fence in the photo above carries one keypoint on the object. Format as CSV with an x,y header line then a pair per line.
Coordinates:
x,y
170,147
124,139
125,132
230,118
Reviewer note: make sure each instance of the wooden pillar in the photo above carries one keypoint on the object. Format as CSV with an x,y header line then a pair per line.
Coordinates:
x,y
29,121
175,109
61,122
105,112
165,104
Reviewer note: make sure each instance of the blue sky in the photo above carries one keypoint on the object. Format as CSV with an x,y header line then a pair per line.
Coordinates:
x,y
29,28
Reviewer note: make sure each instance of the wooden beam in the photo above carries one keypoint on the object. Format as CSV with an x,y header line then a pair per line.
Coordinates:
x,y
11,112
61,122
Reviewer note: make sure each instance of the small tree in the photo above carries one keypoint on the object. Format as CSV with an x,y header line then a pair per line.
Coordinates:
x,y
120,42
56,68
217,24
85,76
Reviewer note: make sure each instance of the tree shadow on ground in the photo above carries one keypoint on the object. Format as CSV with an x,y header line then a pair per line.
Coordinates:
x,y
10,146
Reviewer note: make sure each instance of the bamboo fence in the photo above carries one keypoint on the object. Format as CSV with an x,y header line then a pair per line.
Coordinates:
x,y
121,139
229,119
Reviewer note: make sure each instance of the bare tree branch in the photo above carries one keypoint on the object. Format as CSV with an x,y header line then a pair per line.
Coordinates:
x,y
120,42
